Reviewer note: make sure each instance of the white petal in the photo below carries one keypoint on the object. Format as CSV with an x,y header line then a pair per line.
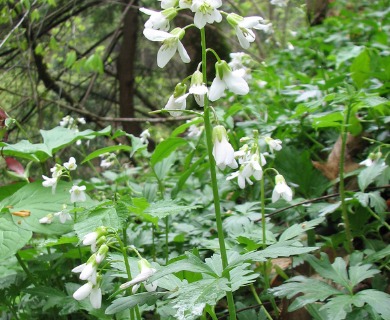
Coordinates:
x,y
275,195
90,238
250,22
200,20
96,298
147,11
83,292
79,268
151,287
235,83
165,53
241,182
87,271
183,53
157,35
241,38
217,88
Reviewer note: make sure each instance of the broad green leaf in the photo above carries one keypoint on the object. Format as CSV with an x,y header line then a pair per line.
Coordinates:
x,y
347,53
40,201
165,148
360,272
361,68
12,237
338,307
313,290
101,151
120,304
369,174
333,120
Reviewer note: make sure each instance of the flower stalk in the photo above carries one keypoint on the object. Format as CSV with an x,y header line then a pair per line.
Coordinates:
x,y
214,183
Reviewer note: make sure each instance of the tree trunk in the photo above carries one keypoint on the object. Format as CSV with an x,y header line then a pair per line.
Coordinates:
x,y
126,72
317,11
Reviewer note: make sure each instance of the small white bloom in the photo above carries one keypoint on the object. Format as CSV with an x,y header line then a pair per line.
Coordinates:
x,y
67,120
56,171
185,4
144,136
206,12
194,131
87,270
223,151
281,189
158,20
146,271
170,44
198,87
90,238
274,144
105,163
243,28
50,182
63,216
165,4
81,120
46,219
93,291
177,101
372,159
226,78
77,194
71,164
102,253
368,162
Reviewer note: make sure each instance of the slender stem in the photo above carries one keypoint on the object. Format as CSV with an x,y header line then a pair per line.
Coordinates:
x,y
128,271
263,222
25,269
214,183
257,298
344,212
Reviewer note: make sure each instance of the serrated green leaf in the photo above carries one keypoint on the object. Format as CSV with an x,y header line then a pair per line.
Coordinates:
x,y
312,289
164,208
297,229
120,304
369,174
165,148
101,151
338,307
378,300
360,272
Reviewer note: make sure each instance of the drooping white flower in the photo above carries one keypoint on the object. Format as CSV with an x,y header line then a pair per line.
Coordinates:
x,y
185,4
194,131
170,44
206,12
81,120
71,164
48,219
243,28
159,20
66,121
56,171
371,159
223,151
92,237
146,271
88,270
177,101
93,291
77,194
274,144
101,254
63,215
249,168
281,189
165,4
50,182
226,78
198,87
144,136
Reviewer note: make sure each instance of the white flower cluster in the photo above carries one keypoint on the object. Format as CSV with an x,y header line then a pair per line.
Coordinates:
x,y
72,123
62,215
107,160
146,271
88,271
205,12
77,193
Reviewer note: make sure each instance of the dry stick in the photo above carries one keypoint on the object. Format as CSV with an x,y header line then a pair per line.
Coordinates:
x,y
318,199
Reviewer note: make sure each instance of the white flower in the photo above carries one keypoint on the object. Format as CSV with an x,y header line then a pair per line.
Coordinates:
x,y
243,27
71,164
63,216
206,12
56,171
50,182
248,169
81,120
198,87
170,44
159,20
177,101
146,271
92,237
223,151
226,78
77,194
46,219
194,131
66,121
165,4
281,189
372,159
368,162
185,4
274,144
144,136
106,163
87,270
93,291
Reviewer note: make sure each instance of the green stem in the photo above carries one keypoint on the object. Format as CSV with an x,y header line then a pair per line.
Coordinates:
x,y
25,269
214,183
344,212
128,271
257,298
